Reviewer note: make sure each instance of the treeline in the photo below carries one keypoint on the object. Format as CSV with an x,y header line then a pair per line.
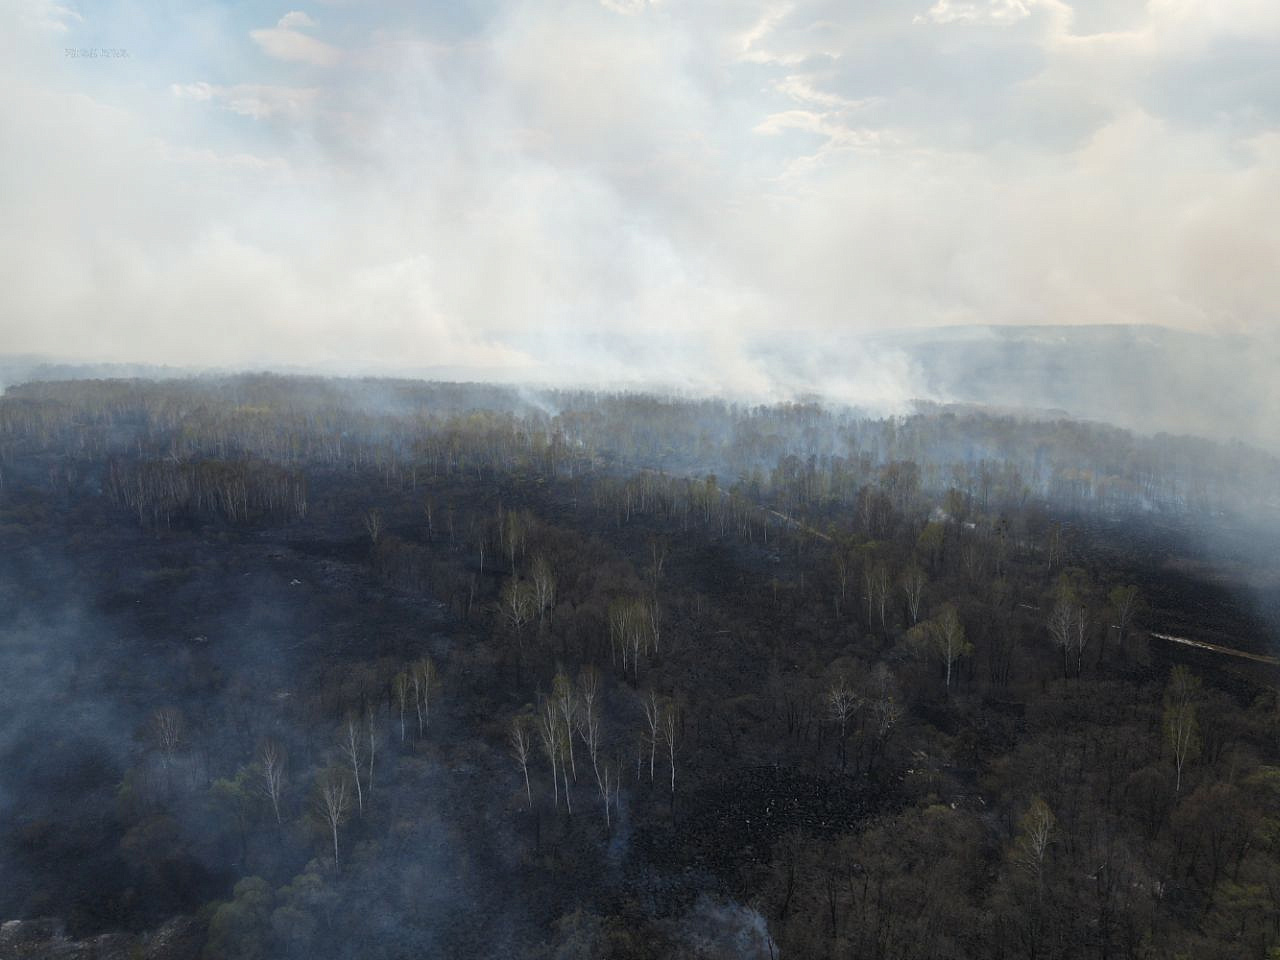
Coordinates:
x,y
237,491
804,454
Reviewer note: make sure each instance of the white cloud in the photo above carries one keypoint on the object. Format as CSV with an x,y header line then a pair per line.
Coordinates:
x,y
48,15
977,11
259,101
295,18
285,41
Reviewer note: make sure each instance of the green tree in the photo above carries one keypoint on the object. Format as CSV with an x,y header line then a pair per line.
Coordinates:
x,y
240,928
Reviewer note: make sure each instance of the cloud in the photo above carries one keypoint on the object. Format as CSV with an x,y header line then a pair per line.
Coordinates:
x,y
975,11
47,15
285,41
259,101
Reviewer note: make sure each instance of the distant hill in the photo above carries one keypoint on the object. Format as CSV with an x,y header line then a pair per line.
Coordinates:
x,y
1143,377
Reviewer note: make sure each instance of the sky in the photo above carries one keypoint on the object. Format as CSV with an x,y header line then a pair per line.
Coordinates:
x,y
619,189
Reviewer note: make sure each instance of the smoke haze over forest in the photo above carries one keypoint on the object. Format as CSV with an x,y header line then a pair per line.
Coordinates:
x,y
638,191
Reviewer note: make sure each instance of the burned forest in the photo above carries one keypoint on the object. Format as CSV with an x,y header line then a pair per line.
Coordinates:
x,y
339,668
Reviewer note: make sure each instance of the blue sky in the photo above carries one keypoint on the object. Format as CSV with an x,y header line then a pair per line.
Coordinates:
x,y
628,187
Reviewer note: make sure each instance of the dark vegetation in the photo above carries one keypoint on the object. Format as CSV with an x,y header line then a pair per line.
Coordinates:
x,y
790,681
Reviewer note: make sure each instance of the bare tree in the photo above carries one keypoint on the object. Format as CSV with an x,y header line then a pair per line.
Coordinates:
x,y
521,743
1061,624
885,710
373,524
371,724
1068,625
425,678
353,749
604,785
401,686
589,685
653,720
913,584
1181,724
657,563
333,804
549,734
272,761
514,531
565,732
1053,545
588,718
169,729
1036,835
877,584
842,704
1124,602
843,563
566,701
669,718
517,603
1080,638
946,633
544,587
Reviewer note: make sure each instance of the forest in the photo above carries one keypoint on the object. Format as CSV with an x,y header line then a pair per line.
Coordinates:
x,y
369,668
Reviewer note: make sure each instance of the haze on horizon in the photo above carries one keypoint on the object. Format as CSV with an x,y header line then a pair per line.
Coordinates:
x,y
630,188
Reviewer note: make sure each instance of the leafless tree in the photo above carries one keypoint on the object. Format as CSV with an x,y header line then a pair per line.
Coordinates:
x,y
401,686
669,718
373,524
843,564
544,588
607,783
521,743
842,704
549,735
1061,624
588,717
882,700
272,761
425,678
589,686
169,731
1068,625
913,584
657,563
1037,833
565,733
353,749
1124,601
333,804
1053,545
634,629
517,604
945,635
1080,640
566,701
514,531
653,720
877,583
371,724
1181,726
